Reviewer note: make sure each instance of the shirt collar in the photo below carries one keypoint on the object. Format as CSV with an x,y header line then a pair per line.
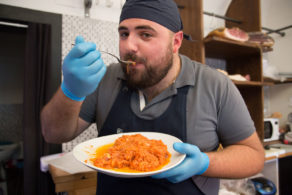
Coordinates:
x,y
187,74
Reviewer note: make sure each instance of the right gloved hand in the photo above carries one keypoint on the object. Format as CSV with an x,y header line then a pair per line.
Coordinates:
x,y
195,163
83,69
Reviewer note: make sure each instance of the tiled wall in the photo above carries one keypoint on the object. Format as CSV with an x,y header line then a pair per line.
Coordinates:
x,y
105,35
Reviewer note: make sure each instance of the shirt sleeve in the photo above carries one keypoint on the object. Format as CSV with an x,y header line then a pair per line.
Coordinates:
x,y
88,108
234,120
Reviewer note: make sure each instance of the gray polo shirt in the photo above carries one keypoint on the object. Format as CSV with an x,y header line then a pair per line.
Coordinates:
x,y
216,112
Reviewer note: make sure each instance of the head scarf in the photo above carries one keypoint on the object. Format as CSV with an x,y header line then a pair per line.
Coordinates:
x,y
163,12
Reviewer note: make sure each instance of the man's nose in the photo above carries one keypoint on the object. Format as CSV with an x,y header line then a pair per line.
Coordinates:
x,y
131,44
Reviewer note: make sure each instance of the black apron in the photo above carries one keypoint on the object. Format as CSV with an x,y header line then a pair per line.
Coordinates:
x,y
172,121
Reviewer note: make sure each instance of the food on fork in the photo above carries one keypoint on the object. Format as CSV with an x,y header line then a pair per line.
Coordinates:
x,y
129,64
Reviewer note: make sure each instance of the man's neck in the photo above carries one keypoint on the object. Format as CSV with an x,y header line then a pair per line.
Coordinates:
x,y
168,80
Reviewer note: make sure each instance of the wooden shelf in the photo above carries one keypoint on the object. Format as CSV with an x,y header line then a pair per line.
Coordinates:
x,y
248,83
191,13
217,47
277,82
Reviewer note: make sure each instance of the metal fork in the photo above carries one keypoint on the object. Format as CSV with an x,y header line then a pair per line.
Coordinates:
x,y
121,61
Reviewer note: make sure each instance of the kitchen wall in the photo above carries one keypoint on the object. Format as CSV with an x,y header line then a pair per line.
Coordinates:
x,y
108,10
280,100
275,14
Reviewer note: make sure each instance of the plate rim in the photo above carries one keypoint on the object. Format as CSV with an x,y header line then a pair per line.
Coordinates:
x,y
127,174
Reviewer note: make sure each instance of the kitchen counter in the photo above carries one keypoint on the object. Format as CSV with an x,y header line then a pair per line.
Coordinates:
x,y
277,166
71,176
74,184
278,151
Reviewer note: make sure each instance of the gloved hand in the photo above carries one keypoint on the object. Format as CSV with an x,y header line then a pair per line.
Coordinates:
x,y
83,69
195,163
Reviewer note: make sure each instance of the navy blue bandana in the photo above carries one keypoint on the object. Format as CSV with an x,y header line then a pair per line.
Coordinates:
x,y
163,12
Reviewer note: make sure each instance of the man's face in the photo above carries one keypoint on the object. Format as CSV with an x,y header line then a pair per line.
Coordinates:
x,y
150,46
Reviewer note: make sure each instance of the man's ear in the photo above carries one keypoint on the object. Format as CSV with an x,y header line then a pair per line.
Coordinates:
x,y
177,41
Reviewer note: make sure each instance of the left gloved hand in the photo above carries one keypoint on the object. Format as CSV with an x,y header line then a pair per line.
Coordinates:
x,y
83,69
195,163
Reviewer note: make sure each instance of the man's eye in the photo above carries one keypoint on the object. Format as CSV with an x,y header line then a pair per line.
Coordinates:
x,y
124,34
146,35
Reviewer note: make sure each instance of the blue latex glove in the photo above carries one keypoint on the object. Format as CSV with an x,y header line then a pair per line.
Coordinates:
x,y
195,163
83,69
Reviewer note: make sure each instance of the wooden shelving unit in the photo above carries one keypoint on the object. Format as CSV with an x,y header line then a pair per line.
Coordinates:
x,y
241,58
222,48
191,13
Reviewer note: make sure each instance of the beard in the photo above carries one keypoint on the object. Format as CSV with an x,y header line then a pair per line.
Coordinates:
x,y
152,74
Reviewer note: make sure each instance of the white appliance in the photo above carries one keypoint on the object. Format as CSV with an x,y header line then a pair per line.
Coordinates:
x,y
271,129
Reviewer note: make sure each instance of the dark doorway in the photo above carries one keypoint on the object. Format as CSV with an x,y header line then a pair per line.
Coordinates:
x,y
30,73
12,58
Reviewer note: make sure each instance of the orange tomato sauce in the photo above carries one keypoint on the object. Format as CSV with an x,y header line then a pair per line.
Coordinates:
x,y
132,153
131,63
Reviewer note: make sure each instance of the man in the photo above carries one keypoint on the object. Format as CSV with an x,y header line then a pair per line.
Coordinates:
x,y
164,92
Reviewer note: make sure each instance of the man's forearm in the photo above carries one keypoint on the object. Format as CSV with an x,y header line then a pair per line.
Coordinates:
x,y
59,118
237,161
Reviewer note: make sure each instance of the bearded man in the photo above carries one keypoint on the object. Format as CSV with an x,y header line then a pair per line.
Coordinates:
x,y
162,91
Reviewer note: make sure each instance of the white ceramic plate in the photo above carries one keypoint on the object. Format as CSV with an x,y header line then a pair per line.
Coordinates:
x,y
85,151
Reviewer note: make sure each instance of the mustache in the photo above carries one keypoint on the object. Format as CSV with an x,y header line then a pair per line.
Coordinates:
x,y
135,58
